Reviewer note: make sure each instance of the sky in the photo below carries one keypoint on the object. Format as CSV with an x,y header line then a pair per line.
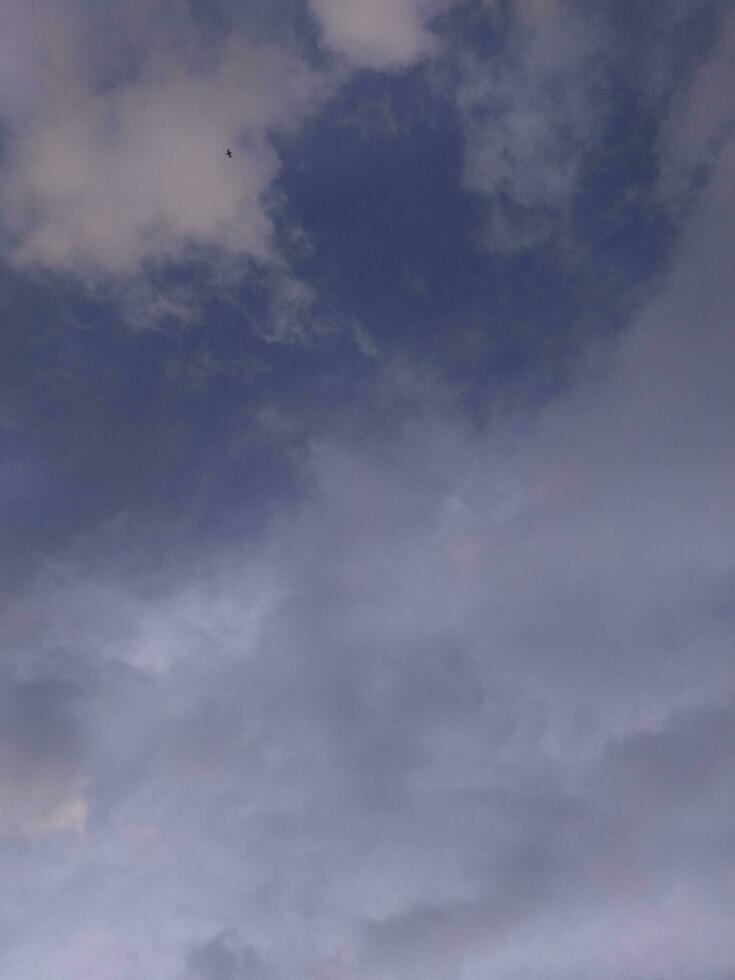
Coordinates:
x,y
368,530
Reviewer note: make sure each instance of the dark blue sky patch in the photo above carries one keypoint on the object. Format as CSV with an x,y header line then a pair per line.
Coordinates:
x,y
375,183
397,240
618,220
476,27
104,420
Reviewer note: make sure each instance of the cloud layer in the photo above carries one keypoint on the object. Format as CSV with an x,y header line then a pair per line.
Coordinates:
x,y
455,711
462,703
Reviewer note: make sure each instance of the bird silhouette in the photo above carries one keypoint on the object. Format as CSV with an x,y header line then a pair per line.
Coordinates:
x,y
229,153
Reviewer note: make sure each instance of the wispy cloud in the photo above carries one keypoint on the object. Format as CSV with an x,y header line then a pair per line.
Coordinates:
x,y
530,113
698,133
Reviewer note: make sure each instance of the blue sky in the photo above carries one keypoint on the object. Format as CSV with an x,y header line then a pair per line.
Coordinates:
x,y
367,565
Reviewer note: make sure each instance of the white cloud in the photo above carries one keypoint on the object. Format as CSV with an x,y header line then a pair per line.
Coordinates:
x,y
379,34
108,164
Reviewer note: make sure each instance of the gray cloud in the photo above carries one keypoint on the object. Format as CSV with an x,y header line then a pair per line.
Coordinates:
x,y
217,960
41,769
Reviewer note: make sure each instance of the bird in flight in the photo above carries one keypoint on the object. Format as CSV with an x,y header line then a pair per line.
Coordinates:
x,y
229,153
